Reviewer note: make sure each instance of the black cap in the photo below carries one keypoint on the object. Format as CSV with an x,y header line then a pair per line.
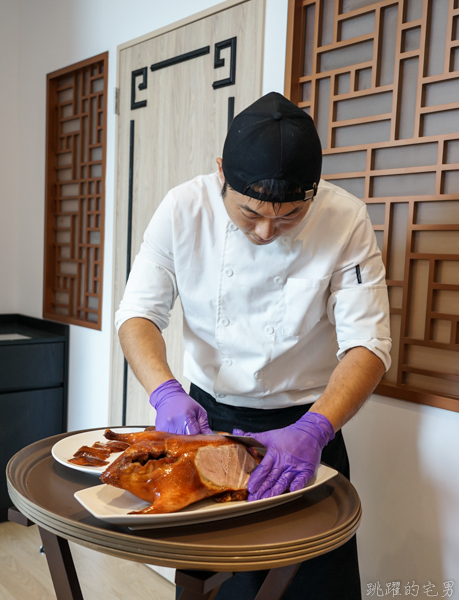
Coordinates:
x,y
273,139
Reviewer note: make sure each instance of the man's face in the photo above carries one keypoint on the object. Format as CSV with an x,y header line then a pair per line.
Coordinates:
x,y
261,222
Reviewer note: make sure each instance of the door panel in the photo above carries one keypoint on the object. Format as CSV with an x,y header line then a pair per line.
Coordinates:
x,y
178,92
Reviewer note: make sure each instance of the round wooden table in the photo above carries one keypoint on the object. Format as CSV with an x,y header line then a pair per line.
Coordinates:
x,y
205,555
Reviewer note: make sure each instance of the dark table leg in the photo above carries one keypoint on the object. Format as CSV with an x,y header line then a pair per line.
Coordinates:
x,y
200,585
17,517
204,585
61,566
276,582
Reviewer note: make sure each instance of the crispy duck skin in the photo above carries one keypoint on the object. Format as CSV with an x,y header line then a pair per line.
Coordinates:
x,y
236,496
86,460
115,446
96,455
171,471
97,452
132,438
90,456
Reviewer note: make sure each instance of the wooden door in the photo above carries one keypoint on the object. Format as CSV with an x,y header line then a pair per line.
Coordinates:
x,y
178,90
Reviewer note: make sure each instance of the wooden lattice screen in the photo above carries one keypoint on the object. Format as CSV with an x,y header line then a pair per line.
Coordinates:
x,y
381,80
75,176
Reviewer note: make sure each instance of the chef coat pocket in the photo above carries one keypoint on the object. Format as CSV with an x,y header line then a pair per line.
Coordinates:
x,y
305,304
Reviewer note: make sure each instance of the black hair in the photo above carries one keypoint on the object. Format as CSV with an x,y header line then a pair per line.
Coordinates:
x,y
278,189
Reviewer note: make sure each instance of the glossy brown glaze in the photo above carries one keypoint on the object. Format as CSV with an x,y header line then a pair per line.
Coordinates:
x,y
97,454
171,471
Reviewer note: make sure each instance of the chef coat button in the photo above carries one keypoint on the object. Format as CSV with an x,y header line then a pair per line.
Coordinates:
x,y
285,239
221,395
228,272
278,280
232,227
269,330
258,375
227,361
224,322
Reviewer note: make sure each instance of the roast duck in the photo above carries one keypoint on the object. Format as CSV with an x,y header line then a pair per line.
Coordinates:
x,y
171,471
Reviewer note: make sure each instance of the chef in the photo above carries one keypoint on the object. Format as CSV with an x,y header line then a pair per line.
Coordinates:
x,y
285,315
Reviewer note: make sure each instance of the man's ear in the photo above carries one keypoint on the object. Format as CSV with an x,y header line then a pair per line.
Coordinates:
x,y
220,169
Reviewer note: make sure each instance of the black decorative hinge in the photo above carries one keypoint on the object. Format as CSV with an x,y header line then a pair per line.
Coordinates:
x,y
220,62
142,86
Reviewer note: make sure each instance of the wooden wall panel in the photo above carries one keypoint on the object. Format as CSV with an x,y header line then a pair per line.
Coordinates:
x,y
381,80
75,196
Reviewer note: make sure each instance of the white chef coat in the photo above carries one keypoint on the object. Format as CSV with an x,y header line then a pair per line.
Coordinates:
x,y
263,326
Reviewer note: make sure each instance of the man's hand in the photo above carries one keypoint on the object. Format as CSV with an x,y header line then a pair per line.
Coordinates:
x,y
176,411
292,457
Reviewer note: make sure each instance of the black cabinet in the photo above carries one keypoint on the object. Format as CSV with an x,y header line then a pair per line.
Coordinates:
x,y
33,386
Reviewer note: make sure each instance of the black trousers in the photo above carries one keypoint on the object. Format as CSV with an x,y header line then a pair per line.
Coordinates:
x,y
332,576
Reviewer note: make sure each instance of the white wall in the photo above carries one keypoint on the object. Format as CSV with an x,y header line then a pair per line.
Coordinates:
x,y
9,163
404,457
405,465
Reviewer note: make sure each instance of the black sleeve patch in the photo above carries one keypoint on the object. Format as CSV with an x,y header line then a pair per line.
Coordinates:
x,y
358,274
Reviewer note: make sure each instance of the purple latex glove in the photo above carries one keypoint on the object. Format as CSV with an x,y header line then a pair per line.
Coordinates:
x,y
292,457
176,411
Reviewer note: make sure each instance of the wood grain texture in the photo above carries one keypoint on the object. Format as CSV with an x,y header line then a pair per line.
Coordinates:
x,y
178,135
381,80
75,196
24,572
